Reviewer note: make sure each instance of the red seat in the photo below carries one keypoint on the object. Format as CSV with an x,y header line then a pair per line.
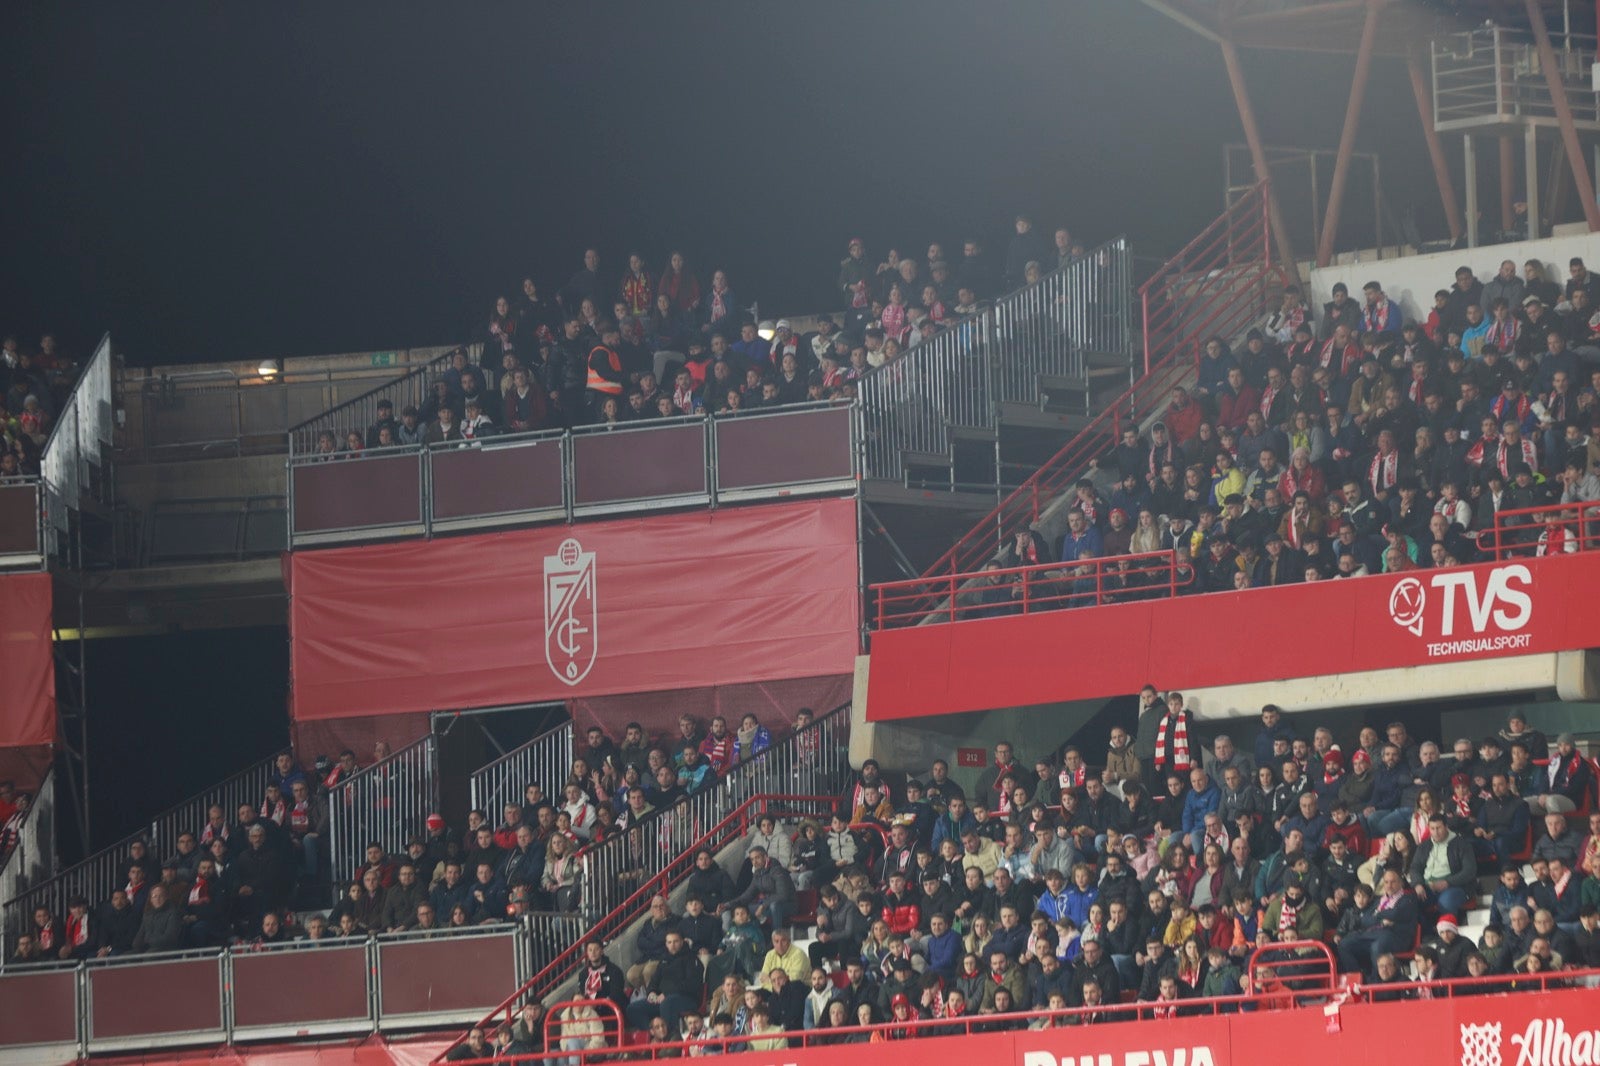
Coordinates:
x,y
805,907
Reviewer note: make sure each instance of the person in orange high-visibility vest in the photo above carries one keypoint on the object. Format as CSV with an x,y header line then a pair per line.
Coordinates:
x,y
605,367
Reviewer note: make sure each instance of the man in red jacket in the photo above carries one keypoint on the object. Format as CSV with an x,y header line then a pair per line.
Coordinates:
x,y
1183,416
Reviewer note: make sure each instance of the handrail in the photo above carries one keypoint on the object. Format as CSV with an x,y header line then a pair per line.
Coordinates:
x,y
496,783
1109,1013
386,802
637,903
1515,533
305,432
97,874
961,375
1034,587
1218,303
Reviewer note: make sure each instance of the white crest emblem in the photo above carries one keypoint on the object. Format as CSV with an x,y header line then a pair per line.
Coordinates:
x,y
570,637
1406,601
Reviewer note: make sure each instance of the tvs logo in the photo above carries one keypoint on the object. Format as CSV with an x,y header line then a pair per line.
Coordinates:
x,y
570,637
1498,605
1406,602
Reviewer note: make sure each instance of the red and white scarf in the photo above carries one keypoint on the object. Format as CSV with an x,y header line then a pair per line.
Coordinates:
x,y
1177,736
1384,472
1503,333
719,304
77,930
300,817
200,894
1268,396
1073,778
1375,319
1286,918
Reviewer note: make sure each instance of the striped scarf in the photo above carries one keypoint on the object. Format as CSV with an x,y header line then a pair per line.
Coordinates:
x,y
1176,733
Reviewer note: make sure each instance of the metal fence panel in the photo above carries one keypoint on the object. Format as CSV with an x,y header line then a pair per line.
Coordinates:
x,y
107,868
387,802
957,377
546,760
813,761
121,1011
445,979
38,1007
299,989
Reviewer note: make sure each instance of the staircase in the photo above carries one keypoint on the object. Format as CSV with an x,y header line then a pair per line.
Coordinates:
x,y
1036,363
1220,284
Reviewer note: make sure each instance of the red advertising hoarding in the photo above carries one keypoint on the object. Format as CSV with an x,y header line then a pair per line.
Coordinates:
x,y
1417,618
757,593
27,662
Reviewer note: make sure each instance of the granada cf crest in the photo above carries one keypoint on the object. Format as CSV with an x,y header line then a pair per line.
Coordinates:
x,y
570,637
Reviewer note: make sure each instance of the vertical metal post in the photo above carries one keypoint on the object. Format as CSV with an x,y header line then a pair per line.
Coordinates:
x,y
1508,182
1563,108
1470,159
1347,137
1530,163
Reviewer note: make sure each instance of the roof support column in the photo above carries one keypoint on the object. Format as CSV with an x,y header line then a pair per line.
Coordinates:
x,y
1569,132
1347,138
1258,157
1441,167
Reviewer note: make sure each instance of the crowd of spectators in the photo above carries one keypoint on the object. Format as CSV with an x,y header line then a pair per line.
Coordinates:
x,y
665,346
262,877
1148,873
34,383
1351,441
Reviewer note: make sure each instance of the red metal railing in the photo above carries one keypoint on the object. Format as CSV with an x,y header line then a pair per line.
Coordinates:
x,y
1216,286
1550,529
1029,589
732,827
1275,998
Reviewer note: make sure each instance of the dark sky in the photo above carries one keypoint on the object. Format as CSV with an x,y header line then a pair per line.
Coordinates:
x,y
235,181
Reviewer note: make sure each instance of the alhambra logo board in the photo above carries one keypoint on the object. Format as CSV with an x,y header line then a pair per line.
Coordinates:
x,y
1461,612
571,637
1545,1042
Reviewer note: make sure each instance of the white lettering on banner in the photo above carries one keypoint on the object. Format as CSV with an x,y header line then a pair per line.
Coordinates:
x,y
1546,1042
1498,605
1192,1056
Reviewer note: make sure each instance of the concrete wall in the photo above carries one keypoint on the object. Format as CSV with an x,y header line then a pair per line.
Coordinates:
x,y
1412,281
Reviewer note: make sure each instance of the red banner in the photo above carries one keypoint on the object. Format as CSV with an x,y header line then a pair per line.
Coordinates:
x,y
743,594
1417,618
27,662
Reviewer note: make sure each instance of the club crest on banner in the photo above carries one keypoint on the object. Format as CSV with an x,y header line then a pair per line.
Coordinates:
x,y
571,637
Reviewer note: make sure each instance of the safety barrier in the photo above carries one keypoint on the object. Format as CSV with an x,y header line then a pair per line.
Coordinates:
x,y
733,826
1217,285
22,524
1549,529
561,475
95,876
386,802
297,989
546,760
77,452
411,389
1089,582
213,529
959,377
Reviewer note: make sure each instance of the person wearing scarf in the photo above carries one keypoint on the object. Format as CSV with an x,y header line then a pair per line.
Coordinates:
x,y
722,311
1381,314
751,740
1173,751
79,942
1383,473
679,284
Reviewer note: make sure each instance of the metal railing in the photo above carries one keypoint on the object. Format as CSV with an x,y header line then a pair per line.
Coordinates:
x,y
958,377
32,858
1217,285
78,450
1549,529
546,760
552,972
24,534
294,990
387,802
1001,592
1495,73
561,475
213,528
410,389
98,874
809,762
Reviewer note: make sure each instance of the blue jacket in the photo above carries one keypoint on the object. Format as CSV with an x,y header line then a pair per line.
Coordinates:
x,y
1264,741
1012,942
943,829
1090,540
1387,784
944,954
1054,907
1196,805
1078,902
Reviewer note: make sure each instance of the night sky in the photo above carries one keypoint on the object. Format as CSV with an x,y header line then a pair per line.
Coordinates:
x,y
228,181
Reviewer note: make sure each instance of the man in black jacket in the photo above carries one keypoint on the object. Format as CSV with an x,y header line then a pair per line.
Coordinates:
x,y
260,877
1093,965
600,978
676,987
